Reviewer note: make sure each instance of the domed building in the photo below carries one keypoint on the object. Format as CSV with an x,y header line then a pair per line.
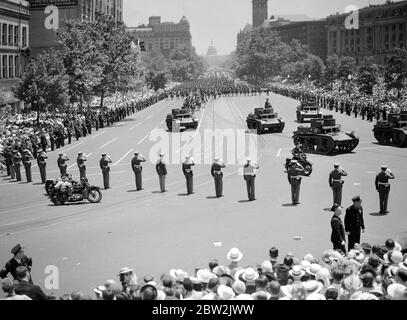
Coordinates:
x,y
212,50
213,58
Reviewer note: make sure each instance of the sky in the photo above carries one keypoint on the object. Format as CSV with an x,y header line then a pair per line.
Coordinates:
x,y
221,20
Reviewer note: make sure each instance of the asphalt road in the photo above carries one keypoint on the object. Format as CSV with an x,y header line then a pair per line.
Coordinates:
x,y
155,232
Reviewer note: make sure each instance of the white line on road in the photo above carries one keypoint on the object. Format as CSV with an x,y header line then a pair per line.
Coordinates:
x,y
132,128
73,147
279,152
99,134
106,144
73,165
162,122
141,141
197,131
122,158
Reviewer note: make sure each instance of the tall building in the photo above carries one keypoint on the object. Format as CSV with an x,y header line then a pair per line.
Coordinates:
x,y
14,48
260,12
164,36
42,38
381,29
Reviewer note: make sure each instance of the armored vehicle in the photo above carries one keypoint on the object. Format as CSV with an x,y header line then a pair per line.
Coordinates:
x,y
264,119
307,111
392,132
183,117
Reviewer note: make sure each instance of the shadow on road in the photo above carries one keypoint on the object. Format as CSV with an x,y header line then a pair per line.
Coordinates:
x,y
377,214
130,191
71,204
289,205
327,209
38,184
129,120
183,195
211,197
244,201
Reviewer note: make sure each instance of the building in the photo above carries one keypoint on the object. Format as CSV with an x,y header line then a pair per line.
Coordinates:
x,y
164,36
213,58
260,12
42,38
310,33
381,29
14,48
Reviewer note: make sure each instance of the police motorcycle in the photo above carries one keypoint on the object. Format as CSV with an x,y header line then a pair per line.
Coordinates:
x,y
302,159
77,192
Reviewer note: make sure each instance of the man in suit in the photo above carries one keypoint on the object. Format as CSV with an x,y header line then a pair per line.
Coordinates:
x,y
338,237
188,173
295,172
19,260
24,287
136,162
336,183
383,187
354,222
104,166
217,174
249,174
161,169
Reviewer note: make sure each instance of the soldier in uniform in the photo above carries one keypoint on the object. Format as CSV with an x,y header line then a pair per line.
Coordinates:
x,y
294,179
249,175
354,222
136,162
383,187
187,170
42,164
104,165
217,174
27,157
81,165
267,104
338,237
17,164
161,169
19,260
62,159
336,183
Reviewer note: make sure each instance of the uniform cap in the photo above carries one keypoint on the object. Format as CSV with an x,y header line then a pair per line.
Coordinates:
x,y
356,199
16,249
337,165
103,154
384,167
294,161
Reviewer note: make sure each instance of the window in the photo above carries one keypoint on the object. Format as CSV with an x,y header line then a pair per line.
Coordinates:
x,y
16,36
4,66
10,35
24,36
16,67
10,66
4,34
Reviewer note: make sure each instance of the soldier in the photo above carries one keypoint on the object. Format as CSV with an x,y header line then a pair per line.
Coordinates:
x,y
217,174
336,183
52,141
249,174
62,159
43,141
294,179
17,164
42,164
338,237
104,165
383,187
354,222
187,170
81,165
138,169
267,104
161,169
27,157
77,133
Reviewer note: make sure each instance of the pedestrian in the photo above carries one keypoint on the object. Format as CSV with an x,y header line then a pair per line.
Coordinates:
x,y
188,173
42,165
77,133
19,260
338,237
81,165
161,169
336,183
62,159
104,165
8,288
295,172
27,157
383,187
17,164
43,141
136,162
217,174
354,222
249,175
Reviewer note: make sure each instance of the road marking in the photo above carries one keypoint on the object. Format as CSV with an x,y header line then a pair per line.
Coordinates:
x,y
196,133
356,184
123,157
99,134
106,144
131,129
73,147
162,122
73,165
279,152
141,141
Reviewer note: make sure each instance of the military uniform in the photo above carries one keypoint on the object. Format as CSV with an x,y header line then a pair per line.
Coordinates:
x,y
42,164
336,183
81,165
338,237
249,174
17,164
27,157
383,187
62,159
104,166
12,265
294,179
217,174
138,169
354,223
187,170
161,169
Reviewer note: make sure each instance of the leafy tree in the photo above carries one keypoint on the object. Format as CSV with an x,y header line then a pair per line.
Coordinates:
x,y
347,67
333,64
157,80
396,70
367,75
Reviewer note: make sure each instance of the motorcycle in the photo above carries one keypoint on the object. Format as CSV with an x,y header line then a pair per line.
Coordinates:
x,y
302,160
79,191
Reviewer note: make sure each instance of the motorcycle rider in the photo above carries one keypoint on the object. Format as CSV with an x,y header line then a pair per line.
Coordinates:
x,y
64,185
297,152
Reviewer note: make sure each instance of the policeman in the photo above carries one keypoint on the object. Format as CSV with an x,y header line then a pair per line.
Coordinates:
x,y
297,151
17,164
383,187
27,157
161,169
62,159
249,175
294,179
81,165
104,165
19,260
138,169
42,164
217,174
336,183
187,170
354,222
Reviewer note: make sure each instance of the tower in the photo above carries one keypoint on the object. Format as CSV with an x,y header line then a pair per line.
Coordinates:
x,y
260,12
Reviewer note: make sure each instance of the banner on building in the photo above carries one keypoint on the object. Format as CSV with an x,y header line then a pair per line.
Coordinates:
x,y
41,4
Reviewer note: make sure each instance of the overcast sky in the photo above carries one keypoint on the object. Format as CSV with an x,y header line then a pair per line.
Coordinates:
x,y
221,20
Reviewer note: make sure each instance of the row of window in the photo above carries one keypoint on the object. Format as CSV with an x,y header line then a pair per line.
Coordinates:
x,y
10,35
10,66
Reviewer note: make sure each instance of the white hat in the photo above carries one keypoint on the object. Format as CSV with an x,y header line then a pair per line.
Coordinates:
x,y
125,270
205,275
397,257
244,297
363,296
312,286
403,265
266,266
234,255
225,293
179,274
249,274
305,264
396,290
314,269
309,257
296,272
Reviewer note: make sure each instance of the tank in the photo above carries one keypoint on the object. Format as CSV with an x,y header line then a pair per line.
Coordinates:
x,y
185,118
307,111
392,132
265,119
325,137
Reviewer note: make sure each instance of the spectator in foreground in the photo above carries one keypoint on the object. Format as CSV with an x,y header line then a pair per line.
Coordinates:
x,y
8,288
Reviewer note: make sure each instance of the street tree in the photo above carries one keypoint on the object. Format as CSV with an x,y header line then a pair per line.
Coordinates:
x,y
368,74
396,70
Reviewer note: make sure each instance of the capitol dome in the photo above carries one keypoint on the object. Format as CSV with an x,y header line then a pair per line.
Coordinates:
x,y
212,50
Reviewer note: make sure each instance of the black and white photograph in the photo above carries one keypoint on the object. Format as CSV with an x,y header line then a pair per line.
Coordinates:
x,y
219,151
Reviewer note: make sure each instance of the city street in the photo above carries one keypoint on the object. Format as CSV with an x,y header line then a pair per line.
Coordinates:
x,y
154,232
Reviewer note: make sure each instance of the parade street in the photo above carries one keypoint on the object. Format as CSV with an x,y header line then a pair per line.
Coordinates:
x,y
153,231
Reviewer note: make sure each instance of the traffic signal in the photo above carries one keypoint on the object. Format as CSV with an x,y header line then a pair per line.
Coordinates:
x,y
142,45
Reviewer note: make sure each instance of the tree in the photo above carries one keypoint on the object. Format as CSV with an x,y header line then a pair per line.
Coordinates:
x,y
333,64
367,76
396,70
157,80
347,67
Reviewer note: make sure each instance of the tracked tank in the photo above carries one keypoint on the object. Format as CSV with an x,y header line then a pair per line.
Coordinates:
x,y
265,120
325,137
392,132
183,117
307,111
